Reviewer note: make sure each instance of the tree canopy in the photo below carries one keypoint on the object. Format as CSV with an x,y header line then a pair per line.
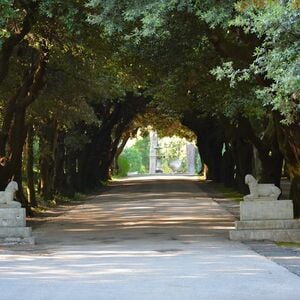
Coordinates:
x,y
78,78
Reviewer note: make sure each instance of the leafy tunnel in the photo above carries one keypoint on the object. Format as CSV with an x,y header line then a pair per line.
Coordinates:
x,y
79,78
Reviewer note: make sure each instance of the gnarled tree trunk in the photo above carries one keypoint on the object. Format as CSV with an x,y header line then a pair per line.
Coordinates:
x,y
289,143
30,165
48,142
13,129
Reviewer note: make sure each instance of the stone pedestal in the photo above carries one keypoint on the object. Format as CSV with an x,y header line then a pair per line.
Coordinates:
x,y
266,210
13,228
266,220
263,217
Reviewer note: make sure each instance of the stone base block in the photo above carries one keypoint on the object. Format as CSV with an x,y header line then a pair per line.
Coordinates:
x,y
266,210
12,217
267,224
15,232
17,240
247,198
276,235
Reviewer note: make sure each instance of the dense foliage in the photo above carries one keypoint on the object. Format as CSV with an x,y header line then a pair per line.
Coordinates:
x,y
137,156
78,78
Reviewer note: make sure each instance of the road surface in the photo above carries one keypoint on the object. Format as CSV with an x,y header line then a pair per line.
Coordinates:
x,y
143,238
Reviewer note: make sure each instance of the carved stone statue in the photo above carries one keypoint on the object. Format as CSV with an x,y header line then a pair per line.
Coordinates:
x,y
258,191
7,196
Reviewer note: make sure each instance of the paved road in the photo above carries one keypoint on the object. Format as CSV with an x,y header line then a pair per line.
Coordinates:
x,y
157,238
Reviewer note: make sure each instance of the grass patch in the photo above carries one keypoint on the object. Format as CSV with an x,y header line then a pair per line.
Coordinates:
x,y
64,199
39,209
231,194
288,244
57,200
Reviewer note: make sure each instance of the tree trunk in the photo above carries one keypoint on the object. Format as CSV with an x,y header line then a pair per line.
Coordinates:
x,y
71,175
9,44
228,165
29,166
267,149
210,139
271,168
295,195
89,163
48,142
243,154
13,133
289,143
46,173
121,146
59,172
82,169
19,131
116,117
211,153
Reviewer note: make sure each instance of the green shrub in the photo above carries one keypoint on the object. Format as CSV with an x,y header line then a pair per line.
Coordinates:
x,y
123,166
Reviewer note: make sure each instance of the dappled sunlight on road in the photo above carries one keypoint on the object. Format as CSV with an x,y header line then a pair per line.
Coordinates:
x,y
138,219
150,209
106,264
143,235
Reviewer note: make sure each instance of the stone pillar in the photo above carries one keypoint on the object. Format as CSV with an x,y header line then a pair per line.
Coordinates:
x,y
152,152
191,155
